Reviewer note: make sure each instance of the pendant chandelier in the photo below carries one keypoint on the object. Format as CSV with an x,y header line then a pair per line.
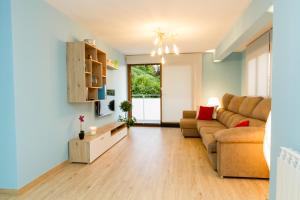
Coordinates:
x,y
164,44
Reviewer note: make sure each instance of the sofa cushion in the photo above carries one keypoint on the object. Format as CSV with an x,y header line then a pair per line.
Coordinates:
x,y
226,100
188,123
248,105
262,110
234,120
220,113
210,130
210,142
211,123
225,117
235,103
244,123
205,113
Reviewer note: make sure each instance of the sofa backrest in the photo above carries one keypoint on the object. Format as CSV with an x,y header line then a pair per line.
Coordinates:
x,y
238,108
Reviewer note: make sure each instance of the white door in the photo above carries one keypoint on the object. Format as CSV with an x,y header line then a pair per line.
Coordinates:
x,y
176,91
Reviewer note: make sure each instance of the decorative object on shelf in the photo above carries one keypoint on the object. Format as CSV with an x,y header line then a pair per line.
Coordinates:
x,y
90,42
112,64
95,80
81,120
126,107
116,63
93,130
102,93
163,42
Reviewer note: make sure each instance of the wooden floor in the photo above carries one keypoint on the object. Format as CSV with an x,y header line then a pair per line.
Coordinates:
x,y
149,164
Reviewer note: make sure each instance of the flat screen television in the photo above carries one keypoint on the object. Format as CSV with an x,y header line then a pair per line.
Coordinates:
x,y
106,105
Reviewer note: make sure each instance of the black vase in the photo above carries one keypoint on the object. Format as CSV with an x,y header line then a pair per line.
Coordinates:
x,y
81,135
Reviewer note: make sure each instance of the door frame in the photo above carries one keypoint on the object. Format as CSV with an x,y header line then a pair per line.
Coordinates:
x,y
129,86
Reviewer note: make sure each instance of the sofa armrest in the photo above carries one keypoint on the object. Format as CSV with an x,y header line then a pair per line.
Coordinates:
x,y
189,114
241,135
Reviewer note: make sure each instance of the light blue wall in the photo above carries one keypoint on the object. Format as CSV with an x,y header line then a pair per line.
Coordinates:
x,y
8,155
45,121
286,82
222,77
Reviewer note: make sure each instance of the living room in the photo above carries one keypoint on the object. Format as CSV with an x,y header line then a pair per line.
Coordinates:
x,y
201,53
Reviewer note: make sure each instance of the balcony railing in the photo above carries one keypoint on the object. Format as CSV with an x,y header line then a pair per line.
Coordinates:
x,y
146,108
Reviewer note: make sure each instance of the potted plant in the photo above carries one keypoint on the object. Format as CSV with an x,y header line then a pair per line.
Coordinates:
x,y
81,120
126,107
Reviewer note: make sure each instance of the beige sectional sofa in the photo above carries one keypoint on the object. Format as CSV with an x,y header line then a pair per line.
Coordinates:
x,y
233,152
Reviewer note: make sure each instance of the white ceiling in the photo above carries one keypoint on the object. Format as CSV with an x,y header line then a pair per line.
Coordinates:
x,y
128,25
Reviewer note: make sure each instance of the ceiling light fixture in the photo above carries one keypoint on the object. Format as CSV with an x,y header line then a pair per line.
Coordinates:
x,y
162,42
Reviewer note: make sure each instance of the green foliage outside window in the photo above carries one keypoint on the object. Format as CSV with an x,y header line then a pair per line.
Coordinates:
x,y
145,80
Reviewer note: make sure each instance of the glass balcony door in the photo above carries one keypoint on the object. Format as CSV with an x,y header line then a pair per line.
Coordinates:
x,y
145,93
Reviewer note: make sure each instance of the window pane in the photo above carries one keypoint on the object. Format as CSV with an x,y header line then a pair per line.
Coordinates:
x,y
251,77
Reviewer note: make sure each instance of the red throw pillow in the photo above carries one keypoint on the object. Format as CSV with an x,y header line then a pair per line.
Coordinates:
x,y
205,113
243,124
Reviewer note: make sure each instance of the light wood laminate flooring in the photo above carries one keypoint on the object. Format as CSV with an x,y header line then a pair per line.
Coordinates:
x,y
149,164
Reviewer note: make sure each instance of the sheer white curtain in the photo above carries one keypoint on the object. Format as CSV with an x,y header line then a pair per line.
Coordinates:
x,y
257,69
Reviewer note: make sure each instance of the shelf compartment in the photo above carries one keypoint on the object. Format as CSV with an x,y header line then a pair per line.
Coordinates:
x,y
88,80
88,66
96,75
90,52
92,94
102,58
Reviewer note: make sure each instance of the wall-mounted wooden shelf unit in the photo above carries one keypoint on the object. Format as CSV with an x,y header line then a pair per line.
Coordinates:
x,y
86,69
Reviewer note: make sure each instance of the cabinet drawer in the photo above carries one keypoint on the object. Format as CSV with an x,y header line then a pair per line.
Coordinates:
x,y
99,146
118,135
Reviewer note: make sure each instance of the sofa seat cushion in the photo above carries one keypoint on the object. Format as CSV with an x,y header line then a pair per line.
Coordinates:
x,y
188,123
210,143
210,130
211,123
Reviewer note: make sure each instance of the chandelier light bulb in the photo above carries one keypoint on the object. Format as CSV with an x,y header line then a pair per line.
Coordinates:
x,y
163,61
167,50
164,44
175,49
159,51
153,53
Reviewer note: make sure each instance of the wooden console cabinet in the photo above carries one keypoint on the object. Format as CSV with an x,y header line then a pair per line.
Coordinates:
x,y
92,146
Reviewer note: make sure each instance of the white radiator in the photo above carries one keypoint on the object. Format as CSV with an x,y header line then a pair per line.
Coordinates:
x,y
288,175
